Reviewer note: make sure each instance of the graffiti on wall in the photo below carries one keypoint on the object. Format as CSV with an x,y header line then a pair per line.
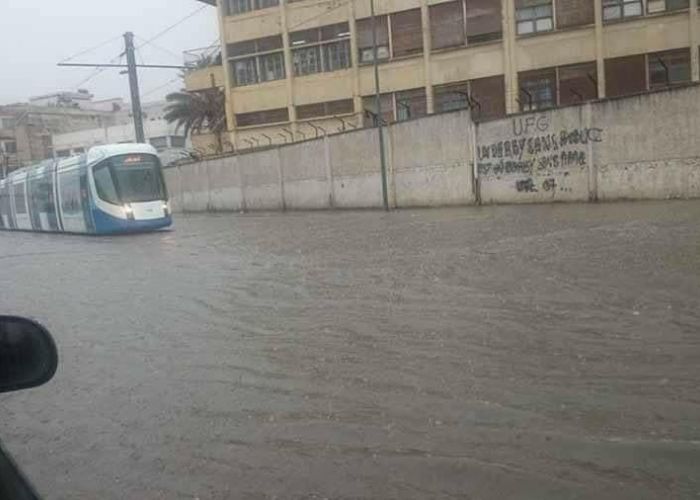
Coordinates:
x,y
535,149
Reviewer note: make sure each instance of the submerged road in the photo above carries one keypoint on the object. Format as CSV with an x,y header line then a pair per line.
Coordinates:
x,y
535,352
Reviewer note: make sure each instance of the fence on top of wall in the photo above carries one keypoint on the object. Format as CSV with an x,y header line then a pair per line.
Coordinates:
x,y
638,147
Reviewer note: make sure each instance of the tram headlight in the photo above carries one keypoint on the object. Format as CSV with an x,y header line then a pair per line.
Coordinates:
x,y
166,208
128,211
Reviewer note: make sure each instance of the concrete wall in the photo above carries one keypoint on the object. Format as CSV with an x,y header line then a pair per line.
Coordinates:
x,y
641,147
637,147
428,163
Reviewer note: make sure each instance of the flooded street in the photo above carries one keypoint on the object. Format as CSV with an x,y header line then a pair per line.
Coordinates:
x,y
537,352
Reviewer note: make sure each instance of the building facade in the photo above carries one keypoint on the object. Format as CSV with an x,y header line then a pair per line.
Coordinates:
x,y
294,69
26,130
170,142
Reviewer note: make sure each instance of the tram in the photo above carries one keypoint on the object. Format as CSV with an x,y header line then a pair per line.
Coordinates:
x,y
110,189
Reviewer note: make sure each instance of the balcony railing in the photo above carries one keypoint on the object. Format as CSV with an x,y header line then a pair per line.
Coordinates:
x,y
202,57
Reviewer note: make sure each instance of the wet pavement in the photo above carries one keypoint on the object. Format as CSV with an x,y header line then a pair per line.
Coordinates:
x,y
536,352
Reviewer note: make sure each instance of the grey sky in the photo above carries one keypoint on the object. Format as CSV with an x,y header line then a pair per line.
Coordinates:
x,y
36,34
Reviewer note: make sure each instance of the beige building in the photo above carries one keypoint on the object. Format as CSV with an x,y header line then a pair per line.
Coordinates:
x,y
26,130
294,69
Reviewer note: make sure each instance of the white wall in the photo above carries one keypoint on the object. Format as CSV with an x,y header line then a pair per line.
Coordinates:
x,y
84,139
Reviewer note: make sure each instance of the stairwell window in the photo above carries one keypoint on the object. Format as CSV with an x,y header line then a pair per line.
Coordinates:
x,y
534,16
235,7
621,9
257,61
321,49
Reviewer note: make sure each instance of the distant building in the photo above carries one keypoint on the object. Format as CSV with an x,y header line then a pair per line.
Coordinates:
x,y
295,68
26,130
170,143
62,99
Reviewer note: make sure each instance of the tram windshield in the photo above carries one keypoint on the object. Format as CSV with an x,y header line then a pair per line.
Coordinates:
x,y
129,178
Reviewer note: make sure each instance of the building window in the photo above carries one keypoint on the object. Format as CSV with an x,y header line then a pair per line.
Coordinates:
x,y
160,143
371,114
447,28
578,83
537,90
483,21
451,97
620,9
7,122
625,76
406,33
365,43
177,141
654,6
485,97
410,104
257,61
279,115
669,68
9,147
320,50
574,13
534,16
330,108
78,151
235,7
488,97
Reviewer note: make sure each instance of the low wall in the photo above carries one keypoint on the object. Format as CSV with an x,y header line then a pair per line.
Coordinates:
x,y
640,147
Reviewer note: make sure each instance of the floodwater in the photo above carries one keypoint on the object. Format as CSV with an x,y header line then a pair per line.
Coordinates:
x,y
535,352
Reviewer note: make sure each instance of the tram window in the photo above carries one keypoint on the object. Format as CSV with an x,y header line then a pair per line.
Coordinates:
x,y
70,192
20,203
105,184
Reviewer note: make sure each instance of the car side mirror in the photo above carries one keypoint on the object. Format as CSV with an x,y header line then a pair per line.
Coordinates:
x,y
28,355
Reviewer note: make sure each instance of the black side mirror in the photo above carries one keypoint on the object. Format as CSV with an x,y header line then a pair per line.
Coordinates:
x,y
28,356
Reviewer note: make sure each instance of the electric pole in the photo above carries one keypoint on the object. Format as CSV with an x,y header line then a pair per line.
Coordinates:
x,y
134,86
132,70
380,128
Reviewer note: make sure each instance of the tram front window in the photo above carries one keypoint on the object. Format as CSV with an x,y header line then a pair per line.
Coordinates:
x,y
129,179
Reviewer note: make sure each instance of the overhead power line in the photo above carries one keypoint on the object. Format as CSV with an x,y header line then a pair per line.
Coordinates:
x,y
174,25
97,71
160,87
327,11
162,49
86,51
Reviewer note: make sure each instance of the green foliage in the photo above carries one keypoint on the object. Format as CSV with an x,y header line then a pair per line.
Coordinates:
x,y
198,112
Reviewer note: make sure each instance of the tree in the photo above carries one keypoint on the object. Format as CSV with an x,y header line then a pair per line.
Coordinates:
x,y
197,112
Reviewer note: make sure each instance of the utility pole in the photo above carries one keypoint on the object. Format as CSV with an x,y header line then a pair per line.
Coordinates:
x,y
134,86
380,127
131,69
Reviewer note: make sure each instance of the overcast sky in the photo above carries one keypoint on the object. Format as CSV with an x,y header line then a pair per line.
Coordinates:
x,y
36,34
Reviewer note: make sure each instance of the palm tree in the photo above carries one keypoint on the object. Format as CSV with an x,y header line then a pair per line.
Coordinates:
x,y
197,112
